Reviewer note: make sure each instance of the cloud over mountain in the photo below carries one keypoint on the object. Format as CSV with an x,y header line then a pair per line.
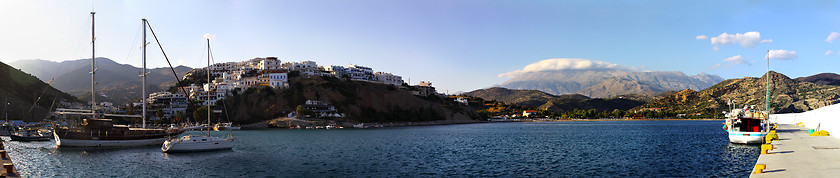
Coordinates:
x,y
782,54
600,79
736,60
562,64
746,40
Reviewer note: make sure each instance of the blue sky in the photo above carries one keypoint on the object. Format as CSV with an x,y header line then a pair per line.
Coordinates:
x,y
458,45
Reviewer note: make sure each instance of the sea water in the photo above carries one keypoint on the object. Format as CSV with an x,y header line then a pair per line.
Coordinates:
x,y
541,149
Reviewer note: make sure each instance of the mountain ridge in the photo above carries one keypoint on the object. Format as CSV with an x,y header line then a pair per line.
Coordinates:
x,y
609,82
116,83
554,103
786,96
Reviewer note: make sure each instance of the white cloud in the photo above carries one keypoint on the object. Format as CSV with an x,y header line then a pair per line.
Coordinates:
x,y
828,52
747,40
736,60
716,48
701,37
833,36
718,65
782,54
561,64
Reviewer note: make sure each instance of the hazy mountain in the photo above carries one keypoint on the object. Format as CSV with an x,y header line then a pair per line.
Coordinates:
x,y
117,83
619,86
554,103
786,95
823,78
22,90
528,98
703,77
608,82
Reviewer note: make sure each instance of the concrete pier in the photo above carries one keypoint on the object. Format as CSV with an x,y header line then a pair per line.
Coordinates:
x,y
8,169
796,154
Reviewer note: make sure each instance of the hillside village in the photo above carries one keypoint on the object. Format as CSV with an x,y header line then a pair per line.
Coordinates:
x,y
230,77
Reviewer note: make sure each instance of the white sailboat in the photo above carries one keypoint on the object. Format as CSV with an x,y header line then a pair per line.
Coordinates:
x,y
196,143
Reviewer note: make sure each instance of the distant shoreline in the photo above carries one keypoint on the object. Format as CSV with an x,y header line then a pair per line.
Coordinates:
x,y
459,122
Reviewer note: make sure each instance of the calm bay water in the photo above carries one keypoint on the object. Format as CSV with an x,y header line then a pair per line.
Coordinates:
x,y
546,149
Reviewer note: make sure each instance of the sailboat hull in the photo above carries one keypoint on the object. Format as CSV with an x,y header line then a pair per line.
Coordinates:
x,y
193,143
747,137
106,143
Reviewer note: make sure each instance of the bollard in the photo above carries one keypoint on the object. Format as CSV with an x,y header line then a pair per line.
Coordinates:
x,y
4,155
759,168
9,169
765,148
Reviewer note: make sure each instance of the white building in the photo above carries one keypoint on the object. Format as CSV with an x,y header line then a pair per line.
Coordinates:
x,y
336,71
388,78
357,72
269,63
277,79
167,102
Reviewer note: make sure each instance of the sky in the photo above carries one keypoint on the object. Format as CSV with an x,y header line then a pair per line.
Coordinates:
x,y
458,45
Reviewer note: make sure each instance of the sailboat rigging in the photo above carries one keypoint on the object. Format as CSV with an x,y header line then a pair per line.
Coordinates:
x,y
95,131
194,143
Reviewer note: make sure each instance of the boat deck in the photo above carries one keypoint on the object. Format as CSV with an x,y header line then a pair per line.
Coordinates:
x,y
797,154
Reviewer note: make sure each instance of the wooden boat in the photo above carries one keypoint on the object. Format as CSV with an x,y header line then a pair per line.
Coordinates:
x,y
29,135
96,132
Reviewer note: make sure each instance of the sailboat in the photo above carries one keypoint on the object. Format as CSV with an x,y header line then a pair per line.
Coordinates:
x,y
196,143
98,132
749,125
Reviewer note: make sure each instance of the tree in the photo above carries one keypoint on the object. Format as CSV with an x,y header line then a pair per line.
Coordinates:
x,y
159,113
591,113
617,113
200,113
179,116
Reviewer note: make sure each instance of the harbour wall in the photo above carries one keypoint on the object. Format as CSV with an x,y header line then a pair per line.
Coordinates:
x,y
826,118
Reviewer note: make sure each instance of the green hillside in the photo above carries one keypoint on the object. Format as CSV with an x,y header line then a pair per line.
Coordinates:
x,y
22,90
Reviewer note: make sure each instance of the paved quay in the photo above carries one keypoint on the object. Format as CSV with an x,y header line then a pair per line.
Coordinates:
x,y
796,154
8,169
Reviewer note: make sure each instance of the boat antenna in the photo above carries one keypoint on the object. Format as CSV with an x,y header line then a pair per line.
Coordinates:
x,y
92,64
767,101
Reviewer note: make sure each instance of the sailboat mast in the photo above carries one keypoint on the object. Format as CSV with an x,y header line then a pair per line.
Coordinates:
x,y
767,102
208,85
144,73
92,64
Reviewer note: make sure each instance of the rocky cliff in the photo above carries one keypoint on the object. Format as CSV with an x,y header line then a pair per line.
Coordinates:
x,y
786,95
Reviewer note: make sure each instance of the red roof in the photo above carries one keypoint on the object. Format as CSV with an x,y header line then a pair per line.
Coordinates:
x,y
530,110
